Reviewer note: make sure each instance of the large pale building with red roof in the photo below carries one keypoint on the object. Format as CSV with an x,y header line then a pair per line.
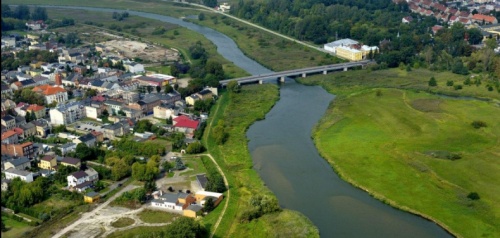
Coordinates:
x,y
38,110
52,94
479,18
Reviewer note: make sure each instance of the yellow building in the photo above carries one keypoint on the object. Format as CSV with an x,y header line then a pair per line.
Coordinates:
x,y
91,197
48,162
36,64
349,53
37,109
192,211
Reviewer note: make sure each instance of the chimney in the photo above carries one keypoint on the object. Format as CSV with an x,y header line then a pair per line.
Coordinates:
x,y
58,79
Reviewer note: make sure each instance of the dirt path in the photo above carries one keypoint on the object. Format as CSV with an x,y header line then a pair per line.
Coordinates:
x,y
86,216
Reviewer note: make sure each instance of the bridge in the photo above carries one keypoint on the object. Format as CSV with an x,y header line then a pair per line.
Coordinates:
x,y
295,73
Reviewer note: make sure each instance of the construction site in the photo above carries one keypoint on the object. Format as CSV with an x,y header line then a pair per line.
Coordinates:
x,y
135,49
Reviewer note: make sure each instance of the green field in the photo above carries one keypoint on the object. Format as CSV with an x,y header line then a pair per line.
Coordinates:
x,y
14,228
239,111
387,135
122,222
153,216
140,231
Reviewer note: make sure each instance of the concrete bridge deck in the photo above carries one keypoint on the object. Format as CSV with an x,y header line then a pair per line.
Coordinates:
x,y
296,72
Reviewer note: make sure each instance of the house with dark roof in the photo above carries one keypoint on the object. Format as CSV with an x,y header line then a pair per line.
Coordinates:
x,y
81,180
69,161
87,139
147,104
202,181
21,163
8,122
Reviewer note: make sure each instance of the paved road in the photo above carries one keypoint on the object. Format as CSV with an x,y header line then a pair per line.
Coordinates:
x,y
87,215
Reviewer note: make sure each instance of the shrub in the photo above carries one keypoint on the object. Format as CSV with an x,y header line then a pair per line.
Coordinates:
x,y
478,124
473,196
449,83
432,82
458,87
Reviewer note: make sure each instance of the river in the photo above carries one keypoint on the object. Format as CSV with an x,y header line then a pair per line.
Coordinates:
x,y
286,159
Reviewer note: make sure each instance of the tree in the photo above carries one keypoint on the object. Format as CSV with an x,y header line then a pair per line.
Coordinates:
x,y
83,152
233,86
219,133
121,112
201,16
22,12
195,148
210,3
120,170
143,126
209,205
138,171
184,227
473,196
158,88
40,13
432,82
168,88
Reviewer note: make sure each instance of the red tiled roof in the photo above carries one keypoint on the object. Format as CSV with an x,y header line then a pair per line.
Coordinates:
x,y
35,108
481,17
184,121
18,131
48,90
8,134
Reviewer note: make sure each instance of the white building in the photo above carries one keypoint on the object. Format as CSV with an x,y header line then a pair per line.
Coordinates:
x,y
82,180
134,67
164,112
67,114
332,46
52,94
92,112
13,173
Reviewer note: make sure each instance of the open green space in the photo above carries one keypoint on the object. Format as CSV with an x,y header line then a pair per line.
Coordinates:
x,y
416,150
195,166
122,222
239,111
139,231
14,228
153,216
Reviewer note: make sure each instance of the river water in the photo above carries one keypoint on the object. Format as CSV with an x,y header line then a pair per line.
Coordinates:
x,y
286,159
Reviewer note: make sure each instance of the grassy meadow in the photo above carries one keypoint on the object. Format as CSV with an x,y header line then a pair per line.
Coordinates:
x,y
14,228
154,216
416,150
239,111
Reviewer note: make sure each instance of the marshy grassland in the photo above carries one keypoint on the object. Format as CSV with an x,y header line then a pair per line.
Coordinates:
x,y
392,135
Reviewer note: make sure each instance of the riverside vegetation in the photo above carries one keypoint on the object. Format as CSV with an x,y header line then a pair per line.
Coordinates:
x,y
388,133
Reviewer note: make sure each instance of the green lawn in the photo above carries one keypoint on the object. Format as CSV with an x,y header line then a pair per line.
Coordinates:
x,y
153,216
140,231
195,164
239,111
122,222
165,69
380,134
14,228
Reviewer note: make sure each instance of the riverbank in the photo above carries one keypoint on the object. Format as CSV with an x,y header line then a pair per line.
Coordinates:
x,y
385,135
238,112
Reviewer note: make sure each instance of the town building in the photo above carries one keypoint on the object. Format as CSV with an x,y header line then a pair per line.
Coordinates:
x,y
73,162
67,113
48,162
82,180
164,112
25,149
20,163
13,173
38,110
52,94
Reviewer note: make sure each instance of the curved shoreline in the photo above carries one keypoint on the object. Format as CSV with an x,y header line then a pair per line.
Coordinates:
x,y
338,170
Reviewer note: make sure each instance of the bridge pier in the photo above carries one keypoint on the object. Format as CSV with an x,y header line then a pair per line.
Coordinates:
x,y
261,81
325,72
304,75
282,79
345,69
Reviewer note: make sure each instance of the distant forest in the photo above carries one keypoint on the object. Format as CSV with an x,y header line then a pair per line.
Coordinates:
x,y
373,22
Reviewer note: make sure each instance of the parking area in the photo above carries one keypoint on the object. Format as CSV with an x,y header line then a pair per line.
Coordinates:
x,y
88,126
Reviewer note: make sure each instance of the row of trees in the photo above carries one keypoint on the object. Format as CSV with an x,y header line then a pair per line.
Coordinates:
x,y
22,12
